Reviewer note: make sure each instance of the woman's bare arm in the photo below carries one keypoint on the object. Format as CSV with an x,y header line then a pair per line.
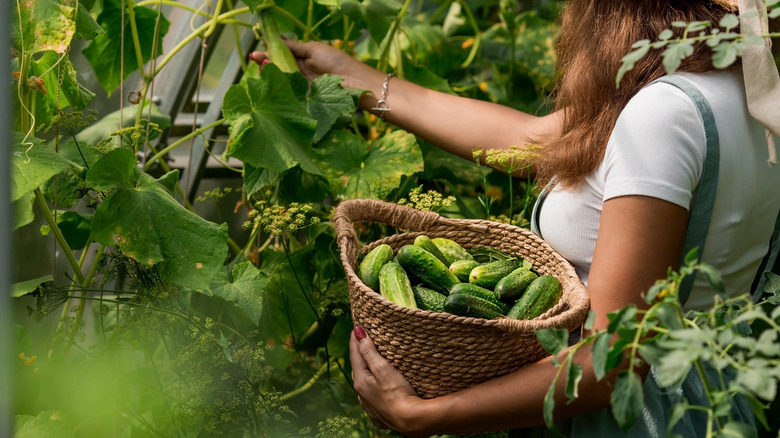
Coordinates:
x,y
639,239
455,124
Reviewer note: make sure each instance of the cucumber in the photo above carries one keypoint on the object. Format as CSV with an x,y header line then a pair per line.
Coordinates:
x,y
425,266
470,305
368,270
428,299
486,254
489,274
427,244
511,287
395,286
278,52
451,250
478,291
462,269
540,296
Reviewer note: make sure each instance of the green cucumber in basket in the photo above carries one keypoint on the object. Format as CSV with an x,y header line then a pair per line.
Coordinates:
x,y
368,270
489,274
487,254
540,296
470,305
451,250
511,287
462,269
428,299
426,267
395,286
427,244
479,291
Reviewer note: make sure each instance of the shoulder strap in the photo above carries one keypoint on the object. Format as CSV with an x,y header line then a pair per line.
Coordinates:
x,y
704,201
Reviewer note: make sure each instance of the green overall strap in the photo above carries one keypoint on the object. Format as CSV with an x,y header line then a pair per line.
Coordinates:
x,y
704,200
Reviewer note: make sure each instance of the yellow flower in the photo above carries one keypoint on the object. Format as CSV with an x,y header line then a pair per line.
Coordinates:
x,y
468,43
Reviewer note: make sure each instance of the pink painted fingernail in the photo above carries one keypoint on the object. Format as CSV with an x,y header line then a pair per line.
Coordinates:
x,y
264,62
359,333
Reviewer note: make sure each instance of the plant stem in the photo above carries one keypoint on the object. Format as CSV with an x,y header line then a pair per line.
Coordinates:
x,y
74,264
181,141
477,34
303,388
309,19
214,20
388,40
174,4
194,35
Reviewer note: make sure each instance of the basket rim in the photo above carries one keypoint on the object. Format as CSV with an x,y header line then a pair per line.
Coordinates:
x,y
569,313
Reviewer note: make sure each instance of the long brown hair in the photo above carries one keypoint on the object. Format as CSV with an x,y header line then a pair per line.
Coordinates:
x,y
594,37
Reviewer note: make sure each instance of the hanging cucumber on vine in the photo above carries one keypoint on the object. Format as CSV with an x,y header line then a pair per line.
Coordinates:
x,y
277,50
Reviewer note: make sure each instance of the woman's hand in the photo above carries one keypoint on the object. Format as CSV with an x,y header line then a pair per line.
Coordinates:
x,y
388,399
315,59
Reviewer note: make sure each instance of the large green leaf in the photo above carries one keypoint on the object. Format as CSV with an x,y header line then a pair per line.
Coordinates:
x,y
142,218
627,399
328,102
255,179
62,70
23,211
46,424
23,288
86,26
269,128
68,187
45,25
105,52
32,164
379,16
246,290
356,170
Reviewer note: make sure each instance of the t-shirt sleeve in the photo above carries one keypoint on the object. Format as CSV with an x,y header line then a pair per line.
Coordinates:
x,y
657,147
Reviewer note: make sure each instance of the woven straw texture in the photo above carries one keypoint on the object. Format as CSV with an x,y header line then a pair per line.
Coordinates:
x,y
441,353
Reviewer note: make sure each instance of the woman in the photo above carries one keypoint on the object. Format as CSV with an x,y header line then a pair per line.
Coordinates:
x,y
624,166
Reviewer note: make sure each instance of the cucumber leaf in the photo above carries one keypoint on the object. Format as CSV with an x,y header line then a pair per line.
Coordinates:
x,y
45,424
246,290
23,211
269,128
104,53
32,164
42,25
328,102
356,170
143,220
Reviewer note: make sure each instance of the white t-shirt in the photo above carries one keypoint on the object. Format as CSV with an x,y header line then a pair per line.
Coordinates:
x,y
657,149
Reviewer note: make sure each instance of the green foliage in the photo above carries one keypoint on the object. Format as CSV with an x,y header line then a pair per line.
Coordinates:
x,y
725,39
168,324
677,343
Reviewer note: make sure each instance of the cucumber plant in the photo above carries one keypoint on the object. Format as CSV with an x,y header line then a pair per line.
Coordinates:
x,y
202,327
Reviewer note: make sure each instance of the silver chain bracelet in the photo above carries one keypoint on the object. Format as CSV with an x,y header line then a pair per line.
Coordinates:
x,y
381,105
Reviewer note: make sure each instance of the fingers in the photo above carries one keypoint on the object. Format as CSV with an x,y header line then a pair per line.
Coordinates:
x,y
369,355
299,49
260,58
360,369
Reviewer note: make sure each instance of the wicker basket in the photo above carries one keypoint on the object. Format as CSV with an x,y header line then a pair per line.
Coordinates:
x,y
441,353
